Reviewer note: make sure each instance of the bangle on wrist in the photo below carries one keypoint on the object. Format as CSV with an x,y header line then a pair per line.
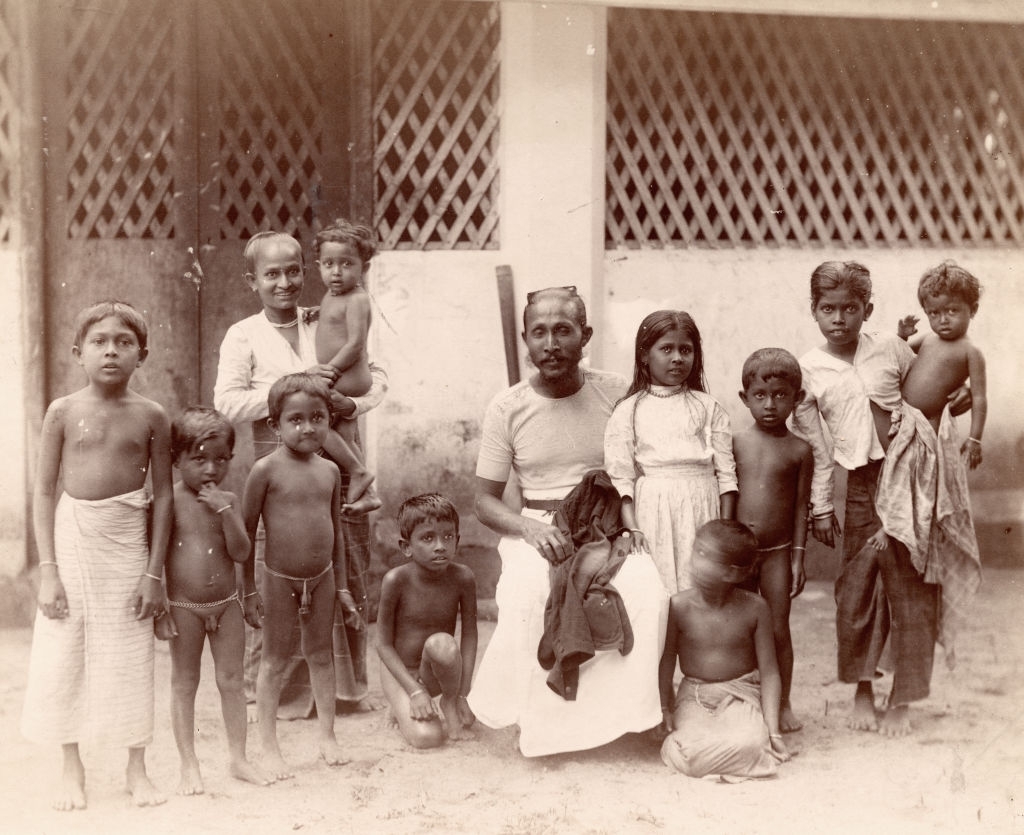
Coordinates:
x,y
47,562
415,693
153,577
974,441
798,548
250,594
221,510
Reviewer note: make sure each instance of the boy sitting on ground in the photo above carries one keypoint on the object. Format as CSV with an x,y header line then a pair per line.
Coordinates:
x,y
419,604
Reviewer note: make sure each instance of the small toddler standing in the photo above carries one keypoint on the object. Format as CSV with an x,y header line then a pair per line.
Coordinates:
x,y
774,469
91,669
208,539
298,495
343,253
419,605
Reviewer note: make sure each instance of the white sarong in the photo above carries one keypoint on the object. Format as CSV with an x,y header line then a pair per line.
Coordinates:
x,y
90,676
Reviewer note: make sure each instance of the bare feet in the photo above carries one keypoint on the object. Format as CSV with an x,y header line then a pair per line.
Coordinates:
x,y
878,540
366,503
358,484
369,702
278,768
453,725
331,753
143,792
863,716
896,722
389,720
788,723
245,770
71,795
191,780
251,716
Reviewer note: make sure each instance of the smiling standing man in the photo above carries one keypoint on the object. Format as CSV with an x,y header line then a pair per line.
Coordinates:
x,y
550,430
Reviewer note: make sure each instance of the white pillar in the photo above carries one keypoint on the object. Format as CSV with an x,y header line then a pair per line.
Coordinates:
x,y
553,61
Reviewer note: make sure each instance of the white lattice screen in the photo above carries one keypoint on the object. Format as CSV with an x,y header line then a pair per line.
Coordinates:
x,y
10,117
436,124
747,130
120,129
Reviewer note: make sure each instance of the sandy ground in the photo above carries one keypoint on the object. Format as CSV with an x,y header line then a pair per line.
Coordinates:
x,y
961,771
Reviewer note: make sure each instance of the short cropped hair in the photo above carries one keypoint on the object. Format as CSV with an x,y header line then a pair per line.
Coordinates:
x,y
291,384
256,242
569,294
128,315
949,278
735,540
849,275
197,425
427,507
342,231
772,364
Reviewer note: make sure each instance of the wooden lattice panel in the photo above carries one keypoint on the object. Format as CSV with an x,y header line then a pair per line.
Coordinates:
x,y
436,124
120,127
744,130
9,123
272,111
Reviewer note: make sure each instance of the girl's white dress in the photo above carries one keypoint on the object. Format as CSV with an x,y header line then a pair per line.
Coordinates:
x,y
670,450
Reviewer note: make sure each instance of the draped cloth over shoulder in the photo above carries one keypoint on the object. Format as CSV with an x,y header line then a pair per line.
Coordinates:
x,y
584,612
923,502
91,674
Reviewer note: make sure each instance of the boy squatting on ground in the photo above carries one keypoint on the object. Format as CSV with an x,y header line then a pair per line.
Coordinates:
x,y
419,604
99,577
343,253
774,469
207,540
915,493
298,495
724,719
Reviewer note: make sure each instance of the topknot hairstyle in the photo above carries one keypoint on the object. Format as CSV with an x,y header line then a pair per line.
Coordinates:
x,y
342,231
949,278
569,294
128,315
427,507
291,384
654,326
832,275
772,363
197,425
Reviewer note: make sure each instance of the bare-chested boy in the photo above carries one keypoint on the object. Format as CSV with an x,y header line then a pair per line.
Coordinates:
x,y
724,719
419,604
774,469
343,253
207,540
100,578
298,495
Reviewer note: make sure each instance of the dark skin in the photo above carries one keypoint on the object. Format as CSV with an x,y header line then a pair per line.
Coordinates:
x,y
555,339
420,604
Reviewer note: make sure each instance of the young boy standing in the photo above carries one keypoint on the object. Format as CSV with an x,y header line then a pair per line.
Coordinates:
x,y
298,495
774,469
419,604
208,539
91,668
724,719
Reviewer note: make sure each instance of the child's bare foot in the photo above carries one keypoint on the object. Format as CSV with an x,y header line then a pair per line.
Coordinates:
x,y
863,716
245,770
367,704
389,720
191,781
278,768
366,503
878,540
788,723
358,484
331,753
143,792
71,794
896,722
453,726
466,715
251,716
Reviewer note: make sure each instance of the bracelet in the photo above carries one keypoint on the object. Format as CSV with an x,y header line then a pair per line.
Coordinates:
x,y
344,591
415,693
152,577
798,548
774,736
47,562
250,594
226,507
974,441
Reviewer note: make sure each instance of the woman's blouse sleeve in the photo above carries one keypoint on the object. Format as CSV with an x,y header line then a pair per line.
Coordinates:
x,y
807,425
619,449
721,445
233,394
